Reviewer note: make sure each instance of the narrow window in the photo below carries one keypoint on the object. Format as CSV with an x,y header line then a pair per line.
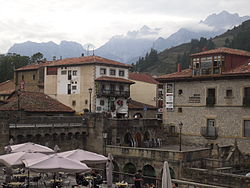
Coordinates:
x,y
22,77
74,72
246,132
121,73
229,93
180,92
63,72
34,77
211,100
69,88
102,102
103,71
112,72
73,103
179,110
86,101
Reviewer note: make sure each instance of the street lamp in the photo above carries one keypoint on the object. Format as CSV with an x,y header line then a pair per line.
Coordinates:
x,y
90,91
180,127
104,135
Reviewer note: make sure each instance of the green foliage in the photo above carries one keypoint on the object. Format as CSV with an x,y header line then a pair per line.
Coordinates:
x,y
37,57
10,62
241,41
150,59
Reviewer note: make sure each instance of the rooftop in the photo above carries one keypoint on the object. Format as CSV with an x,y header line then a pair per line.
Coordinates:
x,y
7,87
114,79
34,102
138,105
142,77
75,61
223,50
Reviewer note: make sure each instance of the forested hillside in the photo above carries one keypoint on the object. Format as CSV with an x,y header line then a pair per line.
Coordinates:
x,y
166,61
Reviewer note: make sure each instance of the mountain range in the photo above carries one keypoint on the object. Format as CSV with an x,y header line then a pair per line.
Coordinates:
x,y
128,48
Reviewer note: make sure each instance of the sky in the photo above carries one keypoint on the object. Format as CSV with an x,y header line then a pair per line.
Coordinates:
x,y
96,21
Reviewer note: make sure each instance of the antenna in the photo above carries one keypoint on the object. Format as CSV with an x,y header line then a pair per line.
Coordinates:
x,y
93,51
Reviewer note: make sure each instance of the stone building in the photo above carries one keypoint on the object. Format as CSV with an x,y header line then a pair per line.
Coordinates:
x,y
6,89
91,82
211,99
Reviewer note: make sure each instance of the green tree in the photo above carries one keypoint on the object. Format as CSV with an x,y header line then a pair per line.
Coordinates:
x,y
37,57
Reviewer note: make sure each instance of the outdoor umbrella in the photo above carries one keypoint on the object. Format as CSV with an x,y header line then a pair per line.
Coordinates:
x,y
109,170
55,163
30,147
84,156
166,178
15,159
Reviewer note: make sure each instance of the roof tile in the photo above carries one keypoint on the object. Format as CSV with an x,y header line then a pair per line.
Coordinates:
x,y
142,77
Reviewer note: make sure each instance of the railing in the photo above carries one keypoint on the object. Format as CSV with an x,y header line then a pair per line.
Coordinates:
x,y
113,93
246,101
210,101
209,132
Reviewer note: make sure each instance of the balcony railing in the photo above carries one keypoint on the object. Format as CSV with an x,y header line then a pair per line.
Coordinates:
x,y
246,101
210,101
209,132
112,93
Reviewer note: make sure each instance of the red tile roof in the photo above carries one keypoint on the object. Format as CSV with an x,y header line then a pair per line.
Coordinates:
x,y
186,73
142,77
34,102
7,87
114,79
87,60
33,66
138,105
223,50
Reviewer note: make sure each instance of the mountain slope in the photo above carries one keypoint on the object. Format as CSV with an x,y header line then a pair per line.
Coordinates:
x,y
49,49
213,25
238,37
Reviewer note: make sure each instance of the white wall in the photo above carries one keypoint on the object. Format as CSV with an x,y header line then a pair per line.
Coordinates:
x,y
108,71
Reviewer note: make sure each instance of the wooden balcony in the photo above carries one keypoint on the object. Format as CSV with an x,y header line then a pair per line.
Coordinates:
x,y
112,93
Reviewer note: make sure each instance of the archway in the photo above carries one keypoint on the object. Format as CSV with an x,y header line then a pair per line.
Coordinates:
x,y
137,116
138,139
130,169
128,140
116,169
149,172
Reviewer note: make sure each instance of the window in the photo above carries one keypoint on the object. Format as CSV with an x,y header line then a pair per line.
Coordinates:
x,y
102,71
246,132
34,77
63,72
179,110
246,98
112,87
74,72
86,101
22,77
210,100
229,93
73,103
69,75
112,72
74,87
69,88
102,102
121,73
180,91
121,88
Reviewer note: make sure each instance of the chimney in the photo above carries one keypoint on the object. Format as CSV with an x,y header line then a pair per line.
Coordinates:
x,y
82,54
179,67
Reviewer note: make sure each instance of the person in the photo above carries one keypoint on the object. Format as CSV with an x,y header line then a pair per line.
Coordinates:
x,y
152,185
174,185
138,179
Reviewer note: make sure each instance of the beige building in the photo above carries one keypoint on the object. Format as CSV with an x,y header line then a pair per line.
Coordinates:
x,y
211,99
145,88
84,83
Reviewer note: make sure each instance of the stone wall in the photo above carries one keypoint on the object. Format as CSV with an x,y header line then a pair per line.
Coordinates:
x,y
229,114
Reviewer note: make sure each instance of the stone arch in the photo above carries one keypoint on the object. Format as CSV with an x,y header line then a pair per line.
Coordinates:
x,y
20,138
128,140
149,172
137,115
138,139
77,135
172,172
69,136
129,168
116,177
29,138
54,136
38,137
62,136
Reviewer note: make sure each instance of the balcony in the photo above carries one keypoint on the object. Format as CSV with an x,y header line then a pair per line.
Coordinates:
x,y
210,101
112,93
246,101
209,132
